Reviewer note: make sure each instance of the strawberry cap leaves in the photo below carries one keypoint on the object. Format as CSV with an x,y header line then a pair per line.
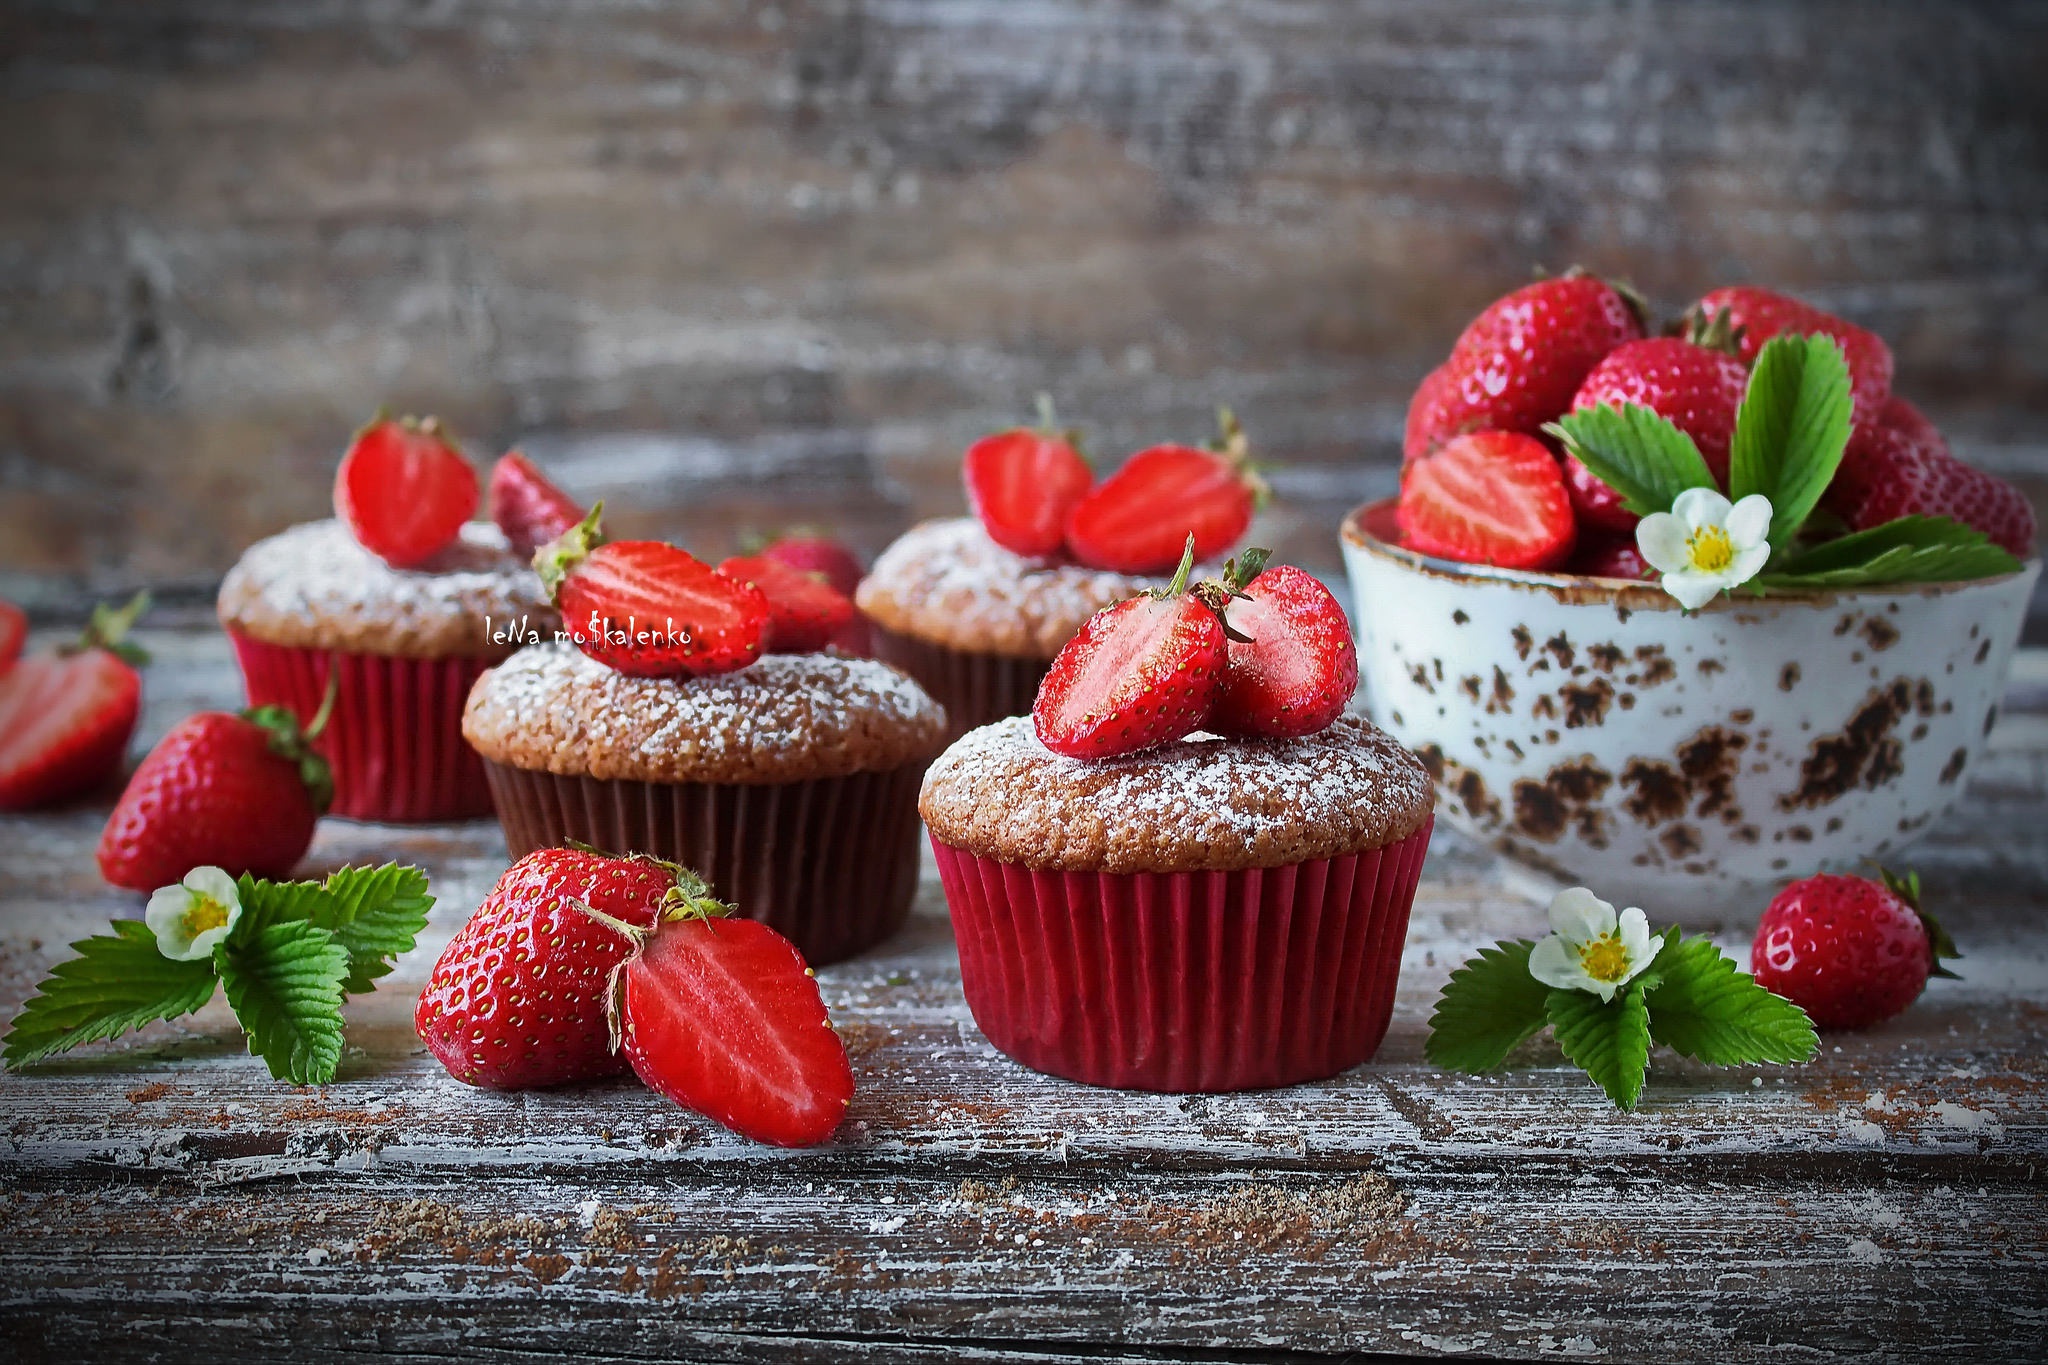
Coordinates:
x,y
553,560
284,737
108,629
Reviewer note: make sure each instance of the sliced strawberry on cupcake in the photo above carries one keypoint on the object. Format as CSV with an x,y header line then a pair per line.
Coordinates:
x,y
1022,484
1136,520
66,715
648,609
13,633
529,509
1899,465
1492,497
404,490
1291,666
1755,315
1138,674
805,612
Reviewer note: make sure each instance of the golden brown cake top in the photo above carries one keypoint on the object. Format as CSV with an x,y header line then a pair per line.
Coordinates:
x,y
1200,804
945,582
313,586
783,718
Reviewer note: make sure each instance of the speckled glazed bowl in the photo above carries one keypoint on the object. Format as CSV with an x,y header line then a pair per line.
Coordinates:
x,y
1688,764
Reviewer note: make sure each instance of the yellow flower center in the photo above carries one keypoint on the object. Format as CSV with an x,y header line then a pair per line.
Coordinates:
x,y
1710,549
202,914
1604,958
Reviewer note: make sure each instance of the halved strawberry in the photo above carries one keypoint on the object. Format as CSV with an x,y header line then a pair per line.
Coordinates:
x,y
1140,673
1136,520
722,1016
404,491
530,510
66,715
13,632
649,609
804,611
1292,666
1492,497
1025,482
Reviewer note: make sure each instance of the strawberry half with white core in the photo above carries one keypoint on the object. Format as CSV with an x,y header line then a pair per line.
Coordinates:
x,y
1134,521
648,609
1292,666
804,611
1493,497
1022,484
404,490
530,510
723,1016
66,715
1140,673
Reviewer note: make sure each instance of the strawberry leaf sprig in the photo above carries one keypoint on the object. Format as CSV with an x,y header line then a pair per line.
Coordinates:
x,y
1629,991
286,954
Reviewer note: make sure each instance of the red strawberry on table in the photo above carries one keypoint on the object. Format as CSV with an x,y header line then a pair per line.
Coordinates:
x,y
1493,497
239,792
1023,483
804,611
1292,666
1756,315
66,715
1136,520
649,609
1899,465
1517,365
13,633
1696,387
1140,673
404,490
723,1016
530,510
1849,951
518,997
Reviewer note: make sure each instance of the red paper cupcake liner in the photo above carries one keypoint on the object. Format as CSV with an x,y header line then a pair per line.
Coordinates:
x,y
976,689
1194,981
395,736
831,863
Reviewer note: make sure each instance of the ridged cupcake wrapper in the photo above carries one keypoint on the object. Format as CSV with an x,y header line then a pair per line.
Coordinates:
x,y
1197,981
831,863
395,736
976,689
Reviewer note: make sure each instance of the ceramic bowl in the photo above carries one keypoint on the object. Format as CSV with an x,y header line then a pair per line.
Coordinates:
x,y
1690,764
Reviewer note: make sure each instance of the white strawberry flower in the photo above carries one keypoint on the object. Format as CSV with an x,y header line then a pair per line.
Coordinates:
x,y
191,918
1590,948
1704,546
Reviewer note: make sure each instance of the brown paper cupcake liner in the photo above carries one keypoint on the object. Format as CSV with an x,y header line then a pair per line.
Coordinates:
x,y
832,863
975,688
1195,981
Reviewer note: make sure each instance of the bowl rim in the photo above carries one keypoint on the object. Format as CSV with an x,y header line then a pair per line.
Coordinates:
x,y
1590,590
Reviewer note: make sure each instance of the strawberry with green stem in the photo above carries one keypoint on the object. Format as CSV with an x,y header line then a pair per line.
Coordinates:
x,y
1850,951
66,715
1291,666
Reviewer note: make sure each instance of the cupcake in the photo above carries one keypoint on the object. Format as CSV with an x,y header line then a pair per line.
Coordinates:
x,y
789,784
403,646
1210,914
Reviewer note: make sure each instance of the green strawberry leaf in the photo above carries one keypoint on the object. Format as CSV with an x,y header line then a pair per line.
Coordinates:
x,y
284,983
116,983
265,903
1608,1040
1489,1005
1635,452
384,909
1791,429
1913,549
1706,1009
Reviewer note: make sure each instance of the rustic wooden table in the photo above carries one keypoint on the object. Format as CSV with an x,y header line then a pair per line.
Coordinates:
x,y
163,1197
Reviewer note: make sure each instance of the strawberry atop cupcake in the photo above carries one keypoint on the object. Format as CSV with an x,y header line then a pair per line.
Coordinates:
x,y
1529,446
1187,869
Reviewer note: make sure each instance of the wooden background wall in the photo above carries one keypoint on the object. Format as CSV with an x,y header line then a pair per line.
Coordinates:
x,y
739,264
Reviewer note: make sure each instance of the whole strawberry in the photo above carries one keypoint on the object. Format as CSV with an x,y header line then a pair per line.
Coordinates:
x,y
1850,951
1609,557
648,609
1517,365
1694,385
240,792
518,997
1899,465
530,510
1756,315
1135,520
66,715
1140,673
404,490
818,554
1291,667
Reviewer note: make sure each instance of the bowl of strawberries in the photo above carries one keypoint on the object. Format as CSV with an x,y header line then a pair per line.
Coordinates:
x,y
1682,613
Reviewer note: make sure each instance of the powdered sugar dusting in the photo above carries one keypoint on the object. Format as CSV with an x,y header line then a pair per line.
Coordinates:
x,y
314,585
947,582
1203,802
785,717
